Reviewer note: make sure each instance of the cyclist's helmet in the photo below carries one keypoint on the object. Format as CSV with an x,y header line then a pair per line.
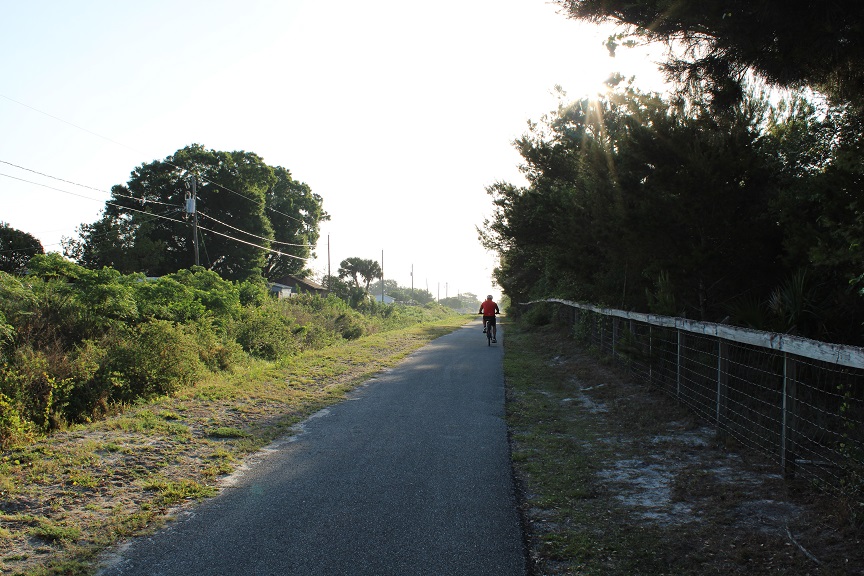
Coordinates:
x,y
489,297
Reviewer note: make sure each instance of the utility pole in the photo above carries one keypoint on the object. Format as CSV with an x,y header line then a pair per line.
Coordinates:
x,y
382,276
191,201
328,262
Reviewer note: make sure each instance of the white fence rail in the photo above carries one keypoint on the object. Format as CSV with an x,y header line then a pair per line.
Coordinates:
x,y
800,401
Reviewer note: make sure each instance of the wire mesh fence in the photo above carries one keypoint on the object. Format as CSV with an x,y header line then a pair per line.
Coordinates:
x,y
799,401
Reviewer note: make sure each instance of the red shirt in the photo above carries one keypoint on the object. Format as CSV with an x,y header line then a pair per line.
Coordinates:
x,y
489,308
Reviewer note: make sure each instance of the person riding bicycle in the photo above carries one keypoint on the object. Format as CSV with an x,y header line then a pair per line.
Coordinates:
x,y
489,308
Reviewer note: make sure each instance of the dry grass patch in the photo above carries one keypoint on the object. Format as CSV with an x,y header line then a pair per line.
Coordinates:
x,y
620,481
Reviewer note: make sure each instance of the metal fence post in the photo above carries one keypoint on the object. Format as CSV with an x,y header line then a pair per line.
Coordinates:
x,y
650,354
678,365
787,434
722,384
602,326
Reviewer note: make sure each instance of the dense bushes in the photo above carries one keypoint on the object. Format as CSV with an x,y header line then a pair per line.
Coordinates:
x,y
75,342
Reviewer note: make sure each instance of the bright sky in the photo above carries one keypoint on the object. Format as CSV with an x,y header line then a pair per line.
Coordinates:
x,y
399,114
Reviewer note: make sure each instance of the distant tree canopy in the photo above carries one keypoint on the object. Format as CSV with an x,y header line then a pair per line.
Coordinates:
x,y
634,202
358,269
16,249
790,44
244,207
465,301
405,294
409,294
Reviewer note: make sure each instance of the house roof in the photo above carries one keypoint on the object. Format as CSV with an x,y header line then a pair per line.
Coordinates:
x,y
301,283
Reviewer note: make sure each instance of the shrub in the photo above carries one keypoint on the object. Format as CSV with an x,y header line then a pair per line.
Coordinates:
x,y
350,326
29,385
156,358
7,338
266,333
167,299
88,395
75,341
13,428
102,300
220,297
253,293
538,314
215,350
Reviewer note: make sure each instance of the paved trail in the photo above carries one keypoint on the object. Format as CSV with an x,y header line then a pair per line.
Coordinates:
x,y
410,476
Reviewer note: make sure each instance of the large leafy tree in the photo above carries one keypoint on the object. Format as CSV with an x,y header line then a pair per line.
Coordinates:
x,y
16,249
244,208
294,213
818,156
791,44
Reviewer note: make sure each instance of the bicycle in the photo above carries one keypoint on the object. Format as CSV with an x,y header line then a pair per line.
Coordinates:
x,y
490,334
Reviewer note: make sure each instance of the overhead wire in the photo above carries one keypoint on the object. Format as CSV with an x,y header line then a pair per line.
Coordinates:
x,y
70,124
200,213
142,200
88,198
206,252
152,214
263,204
251,244
244,196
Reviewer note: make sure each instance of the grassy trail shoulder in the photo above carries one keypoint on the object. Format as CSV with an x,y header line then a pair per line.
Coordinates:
x,y
618,480
65,499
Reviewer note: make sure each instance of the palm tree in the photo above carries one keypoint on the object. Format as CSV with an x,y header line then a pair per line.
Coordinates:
x,y
357,268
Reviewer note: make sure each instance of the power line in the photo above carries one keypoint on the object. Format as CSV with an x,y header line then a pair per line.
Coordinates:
x,y
244,196
94,199
253,235
251,244
142,153
151,214
71,124
142,200
259,203
106,234
7,250
52,188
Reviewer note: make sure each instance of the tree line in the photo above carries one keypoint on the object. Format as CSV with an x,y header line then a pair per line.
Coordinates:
x,y
718,202
360,280
255,220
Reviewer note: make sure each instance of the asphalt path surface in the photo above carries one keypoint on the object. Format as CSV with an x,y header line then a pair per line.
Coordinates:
x,y
410,475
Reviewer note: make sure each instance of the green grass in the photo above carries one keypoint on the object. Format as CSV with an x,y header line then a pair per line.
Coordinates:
x,y
170,493
228,432
50,532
